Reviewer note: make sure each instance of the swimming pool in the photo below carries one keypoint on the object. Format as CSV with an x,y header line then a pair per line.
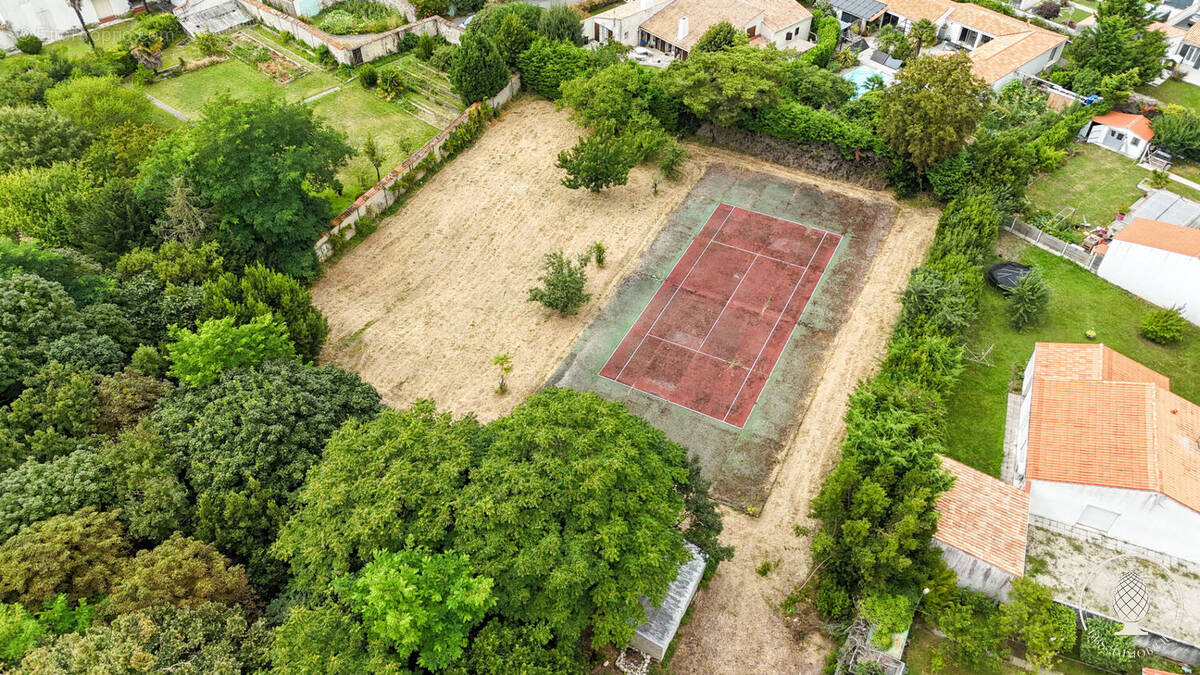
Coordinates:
x,y
860,75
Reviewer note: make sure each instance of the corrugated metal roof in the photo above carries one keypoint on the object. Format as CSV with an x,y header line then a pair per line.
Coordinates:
x,y
863,9
1168,207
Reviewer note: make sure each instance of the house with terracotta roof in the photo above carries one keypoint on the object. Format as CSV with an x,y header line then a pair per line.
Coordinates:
x,y
675,26
1103,444
1120,132
983,526
1188,49
1001,46
1157,261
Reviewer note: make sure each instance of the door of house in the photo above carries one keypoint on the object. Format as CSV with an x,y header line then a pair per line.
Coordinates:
x,y
596,37
103,9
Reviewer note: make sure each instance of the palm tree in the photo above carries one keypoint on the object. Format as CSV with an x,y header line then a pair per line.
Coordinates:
x,y
146,48
923,34
77,5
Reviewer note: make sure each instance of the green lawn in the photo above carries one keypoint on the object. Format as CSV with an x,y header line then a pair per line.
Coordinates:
x,y
105,38
188,92
1099,183
919,656
1181,93
1079,301
1071,14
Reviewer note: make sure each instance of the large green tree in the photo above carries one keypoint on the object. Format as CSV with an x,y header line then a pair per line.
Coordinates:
x,y
573,511
145,477
380,483
932,108
32,136
100,104
560,22
1116,45
180,572
79,554
478,70
33,311
417,601
257,162
260,291
725,86
512,39
38,490
247,442
199,358
719,37
212,638
546,66
56,414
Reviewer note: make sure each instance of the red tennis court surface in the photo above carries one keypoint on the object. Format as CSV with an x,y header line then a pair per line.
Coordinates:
x,y
711,335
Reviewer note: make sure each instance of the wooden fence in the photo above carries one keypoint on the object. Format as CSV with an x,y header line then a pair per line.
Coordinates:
x,y
1075,253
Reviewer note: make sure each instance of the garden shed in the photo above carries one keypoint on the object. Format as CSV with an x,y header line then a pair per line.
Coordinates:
x,y
1159,262
982,531
654,636
1120,132
210,16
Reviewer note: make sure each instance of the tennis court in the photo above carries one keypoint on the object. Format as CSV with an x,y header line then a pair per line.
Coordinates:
x,y
713,332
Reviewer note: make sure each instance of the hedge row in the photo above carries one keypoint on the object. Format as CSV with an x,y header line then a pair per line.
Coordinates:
x,y
828,31
798,122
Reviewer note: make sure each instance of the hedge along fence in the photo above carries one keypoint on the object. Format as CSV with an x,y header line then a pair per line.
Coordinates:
x,y
803,124
829,29
350,51
457,136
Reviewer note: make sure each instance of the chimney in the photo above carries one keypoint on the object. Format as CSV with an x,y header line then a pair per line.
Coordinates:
x,y
683,28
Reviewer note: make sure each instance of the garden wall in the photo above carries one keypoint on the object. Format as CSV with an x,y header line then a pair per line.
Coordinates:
x,y
866,169
385,192
351,50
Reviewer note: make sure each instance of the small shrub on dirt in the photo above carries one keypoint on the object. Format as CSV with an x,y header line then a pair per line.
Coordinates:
x,y
368,77
598,253
833,601
503,363
1163,326
766,567
1028,301
562,284
29,44
672,159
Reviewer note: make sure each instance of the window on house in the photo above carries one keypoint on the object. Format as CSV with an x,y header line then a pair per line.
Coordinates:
x,y
967,36
1116,135
1097,518
787,37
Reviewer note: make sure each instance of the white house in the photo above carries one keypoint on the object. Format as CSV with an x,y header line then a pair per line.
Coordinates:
x,y
1120,132
52,20
1157,261
1187,49
983,527
1001,46
1105,446
675,26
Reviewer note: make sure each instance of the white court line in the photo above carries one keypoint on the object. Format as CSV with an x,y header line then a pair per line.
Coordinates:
x,y
777,320
630,387
673,293
762,255
676,344
745,274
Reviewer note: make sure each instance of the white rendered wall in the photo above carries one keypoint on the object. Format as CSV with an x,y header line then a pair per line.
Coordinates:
x,y
624,30
976,574
1167,279
1147,519
51,19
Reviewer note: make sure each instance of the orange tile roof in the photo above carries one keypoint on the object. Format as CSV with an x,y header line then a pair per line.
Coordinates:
x,y
1138,124
1165,236
701,15
1192,37
1170,31
932,10
1005,54
984,517
1154,671
1100,418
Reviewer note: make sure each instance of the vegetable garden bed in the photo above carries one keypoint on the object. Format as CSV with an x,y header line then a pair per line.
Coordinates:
x,y
268,61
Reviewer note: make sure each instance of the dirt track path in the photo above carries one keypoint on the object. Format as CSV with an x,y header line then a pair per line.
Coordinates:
x,y
737,626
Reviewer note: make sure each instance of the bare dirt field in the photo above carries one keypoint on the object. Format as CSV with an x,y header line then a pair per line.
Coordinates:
x,y
737,626
423,304
420,307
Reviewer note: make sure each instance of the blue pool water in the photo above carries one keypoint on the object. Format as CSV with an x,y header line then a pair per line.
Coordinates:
x,y
860,75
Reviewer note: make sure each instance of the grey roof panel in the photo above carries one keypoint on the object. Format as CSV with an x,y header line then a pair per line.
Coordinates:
x,y
1168,207
654,636
860,8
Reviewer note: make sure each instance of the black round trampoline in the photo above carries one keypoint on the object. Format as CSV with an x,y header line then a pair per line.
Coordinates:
x,y
1006,275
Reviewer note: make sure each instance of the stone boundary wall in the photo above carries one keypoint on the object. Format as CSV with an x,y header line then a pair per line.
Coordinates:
x,y
824,160
350,50
382,195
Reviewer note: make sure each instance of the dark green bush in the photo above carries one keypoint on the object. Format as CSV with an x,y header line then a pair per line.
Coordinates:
x,y
368,77
1163,326
29,44
801,123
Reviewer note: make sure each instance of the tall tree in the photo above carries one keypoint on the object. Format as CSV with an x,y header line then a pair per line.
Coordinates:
x,y
259,292
932,108
720,37
77,5
512,39
35,136
477,70
725,86
923,33
79,554
256,162
561,22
